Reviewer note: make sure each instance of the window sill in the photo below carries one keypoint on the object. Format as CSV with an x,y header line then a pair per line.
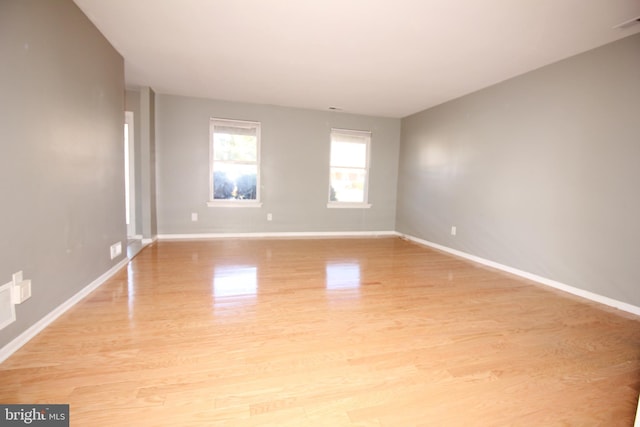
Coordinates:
x,y
234,204
348,205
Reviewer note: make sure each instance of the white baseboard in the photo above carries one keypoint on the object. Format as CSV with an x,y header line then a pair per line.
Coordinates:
x,y
320,234
146,242
15,344
542,280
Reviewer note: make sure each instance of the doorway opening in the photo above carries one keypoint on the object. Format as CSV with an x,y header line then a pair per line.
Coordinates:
x,y
134,240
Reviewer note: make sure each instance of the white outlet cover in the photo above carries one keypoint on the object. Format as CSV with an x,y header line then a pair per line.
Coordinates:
x,y
21,292
116,249
17,277
194,216
25,290
7,309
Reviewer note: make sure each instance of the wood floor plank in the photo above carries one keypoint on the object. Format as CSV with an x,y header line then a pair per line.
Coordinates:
x,y
328,332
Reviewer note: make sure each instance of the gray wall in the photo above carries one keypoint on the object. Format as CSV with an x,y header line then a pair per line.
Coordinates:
x,y
148,170
294,176
62,161
540,172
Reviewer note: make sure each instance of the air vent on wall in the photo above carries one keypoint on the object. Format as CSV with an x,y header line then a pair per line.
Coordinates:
x,y
628,23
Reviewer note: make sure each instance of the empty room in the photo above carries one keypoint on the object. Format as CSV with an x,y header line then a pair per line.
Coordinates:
x,y
319,213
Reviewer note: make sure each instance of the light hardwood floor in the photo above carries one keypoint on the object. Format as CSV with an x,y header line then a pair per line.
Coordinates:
x,y
341,332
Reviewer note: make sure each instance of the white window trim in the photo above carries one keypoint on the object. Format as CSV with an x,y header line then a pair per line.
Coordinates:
x,y
352,205
220,203
348,205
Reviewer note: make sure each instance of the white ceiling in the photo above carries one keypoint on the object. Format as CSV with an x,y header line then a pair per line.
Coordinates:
x,y
376,57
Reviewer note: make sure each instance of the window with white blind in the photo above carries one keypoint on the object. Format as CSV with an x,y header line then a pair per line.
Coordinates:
x,y
235,163
349,169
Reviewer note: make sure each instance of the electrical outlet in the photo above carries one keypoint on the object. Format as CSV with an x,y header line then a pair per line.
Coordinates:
x,y
269,217
20,288
453,230
194,216
116,249
7,308
21,292
17,278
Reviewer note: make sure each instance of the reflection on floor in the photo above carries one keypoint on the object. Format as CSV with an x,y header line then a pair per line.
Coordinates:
x,y
134,246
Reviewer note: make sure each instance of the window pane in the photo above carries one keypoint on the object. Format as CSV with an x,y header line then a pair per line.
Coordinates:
x,y
234,147
234,181
348,154
236,128
347,185
350,136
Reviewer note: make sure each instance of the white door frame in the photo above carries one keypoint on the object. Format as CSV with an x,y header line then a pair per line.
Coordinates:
x,y
130,176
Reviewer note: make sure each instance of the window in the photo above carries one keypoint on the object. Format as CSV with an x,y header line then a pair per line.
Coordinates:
x,y
235,163
349,169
